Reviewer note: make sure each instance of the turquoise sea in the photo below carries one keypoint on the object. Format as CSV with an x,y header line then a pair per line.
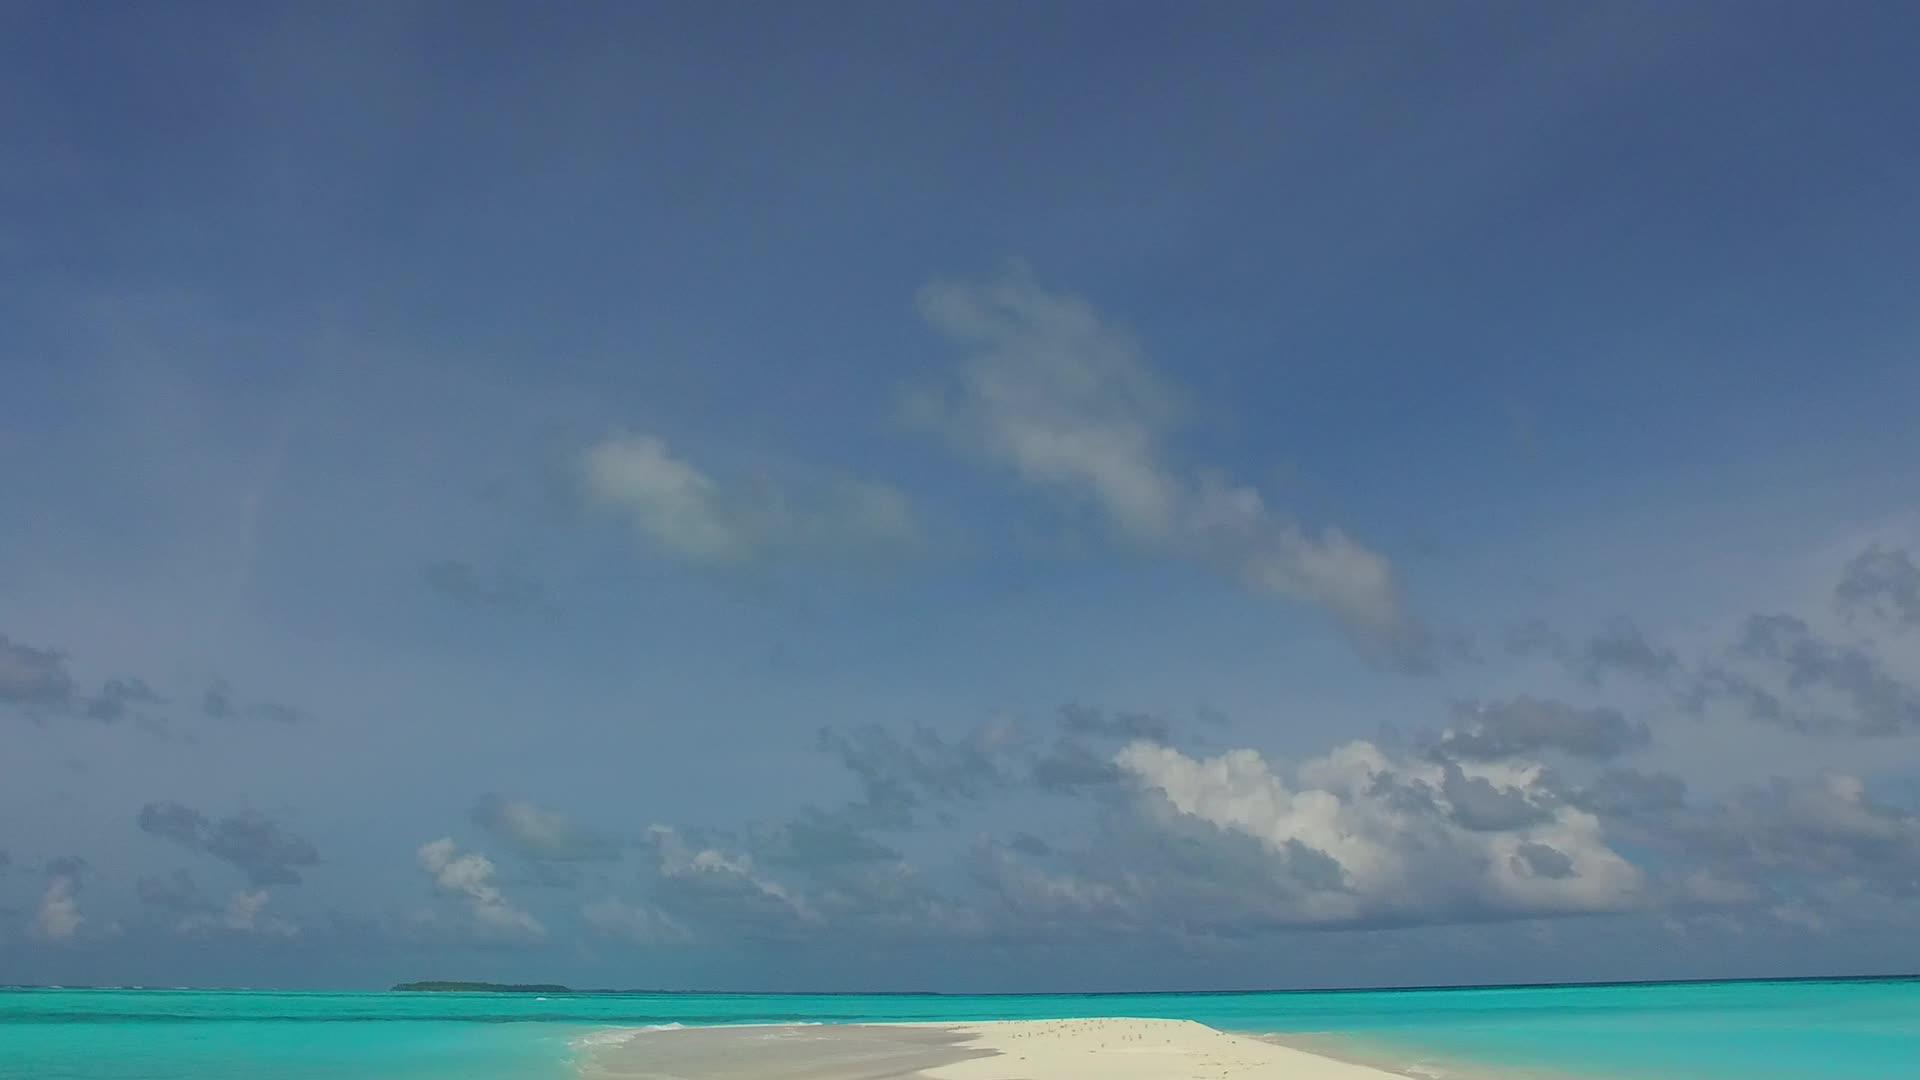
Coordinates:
x,y
1790,1030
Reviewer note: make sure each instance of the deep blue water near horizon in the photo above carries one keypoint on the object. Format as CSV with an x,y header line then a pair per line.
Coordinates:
x,y
1787,1030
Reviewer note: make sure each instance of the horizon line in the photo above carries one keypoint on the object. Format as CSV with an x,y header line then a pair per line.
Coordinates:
x,y
613,992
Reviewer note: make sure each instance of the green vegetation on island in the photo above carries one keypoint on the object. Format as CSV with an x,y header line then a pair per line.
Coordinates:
x,y
483,987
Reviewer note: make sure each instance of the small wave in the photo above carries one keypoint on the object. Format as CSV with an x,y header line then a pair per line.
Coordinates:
x,y
618,1036
610,1037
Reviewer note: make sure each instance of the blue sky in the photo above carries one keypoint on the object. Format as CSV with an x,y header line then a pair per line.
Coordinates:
x,y
958,497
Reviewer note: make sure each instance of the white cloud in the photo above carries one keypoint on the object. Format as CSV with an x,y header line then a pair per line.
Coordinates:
x,y
1069,403
636,923
681,510
59,916
471,876
1825,830
1045,895
1353,582
540,832
706,883
1529,726
1065,399
672,503
1400,834
244,915
30,676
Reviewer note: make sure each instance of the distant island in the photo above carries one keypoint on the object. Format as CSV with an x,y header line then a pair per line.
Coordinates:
x,y
482,987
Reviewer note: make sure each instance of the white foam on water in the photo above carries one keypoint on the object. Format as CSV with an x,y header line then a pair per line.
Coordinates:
x,y
609,1037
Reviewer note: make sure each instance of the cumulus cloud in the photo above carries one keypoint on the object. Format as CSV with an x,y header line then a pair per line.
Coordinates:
x,y
817,875
682,511
176,901
1054,898
33,677
717,888
58,917
1542,860
251,842
1068,402
901,772
817,839
1232,844
539,832
118,697
638,924
1620,649
1383,841
1474,827
1087,720
674,504
1061,396
174,895
1802,671
895,902
1154,871
174,821
1528,726
897,773
1782,671
245,913
470,876
1070,765
822,872
1823,832
1482,805
1881,583
1488,836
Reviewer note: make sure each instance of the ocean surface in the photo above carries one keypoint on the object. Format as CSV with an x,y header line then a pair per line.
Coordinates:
x,y
1792,1030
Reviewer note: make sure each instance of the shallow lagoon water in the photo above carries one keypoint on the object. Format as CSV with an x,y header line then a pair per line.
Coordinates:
x,y
1791,1030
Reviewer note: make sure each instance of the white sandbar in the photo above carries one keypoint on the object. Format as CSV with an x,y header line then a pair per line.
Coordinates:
x,y
1102,1049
